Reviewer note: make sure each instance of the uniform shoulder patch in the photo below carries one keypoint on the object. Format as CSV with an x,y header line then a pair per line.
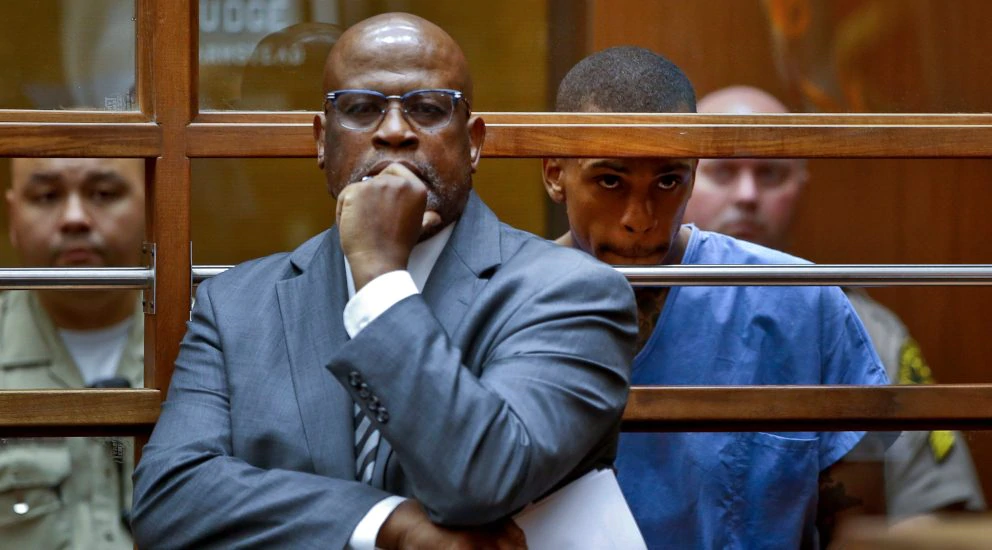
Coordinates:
x,y
941,444
913,368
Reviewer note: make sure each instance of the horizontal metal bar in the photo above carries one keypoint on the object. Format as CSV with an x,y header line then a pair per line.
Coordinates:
x,y
203,272
811,275
778,275
674,275
76,277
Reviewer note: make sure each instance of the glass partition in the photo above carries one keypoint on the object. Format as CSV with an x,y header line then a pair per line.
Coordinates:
x,y
246,208
889,56
68,54
269,54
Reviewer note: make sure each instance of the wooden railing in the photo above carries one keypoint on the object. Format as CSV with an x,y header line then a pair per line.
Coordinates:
x,y
168,130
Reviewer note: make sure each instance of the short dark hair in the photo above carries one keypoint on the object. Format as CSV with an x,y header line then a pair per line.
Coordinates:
x,y
626,79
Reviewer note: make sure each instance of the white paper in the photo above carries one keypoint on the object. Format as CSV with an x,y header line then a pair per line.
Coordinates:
x,y
589,512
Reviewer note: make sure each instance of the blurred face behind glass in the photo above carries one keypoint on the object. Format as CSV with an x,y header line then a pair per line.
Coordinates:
x,y
77,212
624,211
751,199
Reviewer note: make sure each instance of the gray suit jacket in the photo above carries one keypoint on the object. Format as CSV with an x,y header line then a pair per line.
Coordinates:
x,y
505,379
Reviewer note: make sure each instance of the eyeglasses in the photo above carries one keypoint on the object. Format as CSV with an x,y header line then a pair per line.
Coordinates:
x,y
364,109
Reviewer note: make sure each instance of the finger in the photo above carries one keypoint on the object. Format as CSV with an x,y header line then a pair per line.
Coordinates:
x,y
431,220
399,170
338,206
516,534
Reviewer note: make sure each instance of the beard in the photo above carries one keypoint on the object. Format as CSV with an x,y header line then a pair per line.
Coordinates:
x,y
447,199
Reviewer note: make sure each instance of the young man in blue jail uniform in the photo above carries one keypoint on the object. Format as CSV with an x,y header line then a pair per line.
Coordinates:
x,y
711,490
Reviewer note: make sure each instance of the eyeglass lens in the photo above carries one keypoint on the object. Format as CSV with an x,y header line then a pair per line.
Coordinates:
x,y
427,109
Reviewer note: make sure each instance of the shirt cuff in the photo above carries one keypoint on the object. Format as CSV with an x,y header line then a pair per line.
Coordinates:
x,y
375,298
367,530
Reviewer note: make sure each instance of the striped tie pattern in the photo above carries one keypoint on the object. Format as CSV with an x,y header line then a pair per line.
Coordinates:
x,y
366,445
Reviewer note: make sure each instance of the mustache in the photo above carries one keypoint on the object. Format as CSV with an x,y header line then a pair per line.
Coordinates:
x,y
423,170
91,242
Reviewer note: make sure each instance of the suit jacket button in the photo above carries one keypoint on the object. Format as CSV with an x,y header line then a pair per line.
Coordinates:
x,y
374,404
354,378
382,416
363,391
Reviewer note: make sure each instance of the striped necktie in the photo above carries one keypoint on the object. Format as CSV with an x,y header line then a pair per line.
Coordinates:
x,y
366,445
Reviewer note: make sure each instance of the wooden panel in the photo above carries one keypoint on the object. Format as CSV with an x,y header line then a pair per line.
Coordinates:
x,y
144,57
51,413
174,81
555,135
808,408
504,117
250,140
767,408
738,141
21,115
79,140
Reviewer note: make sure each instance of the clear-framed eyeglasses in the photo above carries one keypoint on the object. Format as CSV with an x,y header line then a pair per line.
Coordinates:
x,y
365,109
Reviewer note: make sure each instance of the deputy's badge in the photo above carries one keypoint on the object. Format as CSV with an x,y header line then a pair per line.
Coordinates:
x,y
941,443
913,369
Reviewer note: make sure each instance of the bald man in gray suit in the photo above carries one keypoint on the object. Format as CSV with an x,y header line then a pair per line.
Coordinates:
x,y
418,367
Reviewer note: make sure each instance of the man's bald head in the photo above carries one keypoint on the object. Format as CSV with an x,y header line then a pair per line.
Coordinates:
x,y
752,199
741,100
399,43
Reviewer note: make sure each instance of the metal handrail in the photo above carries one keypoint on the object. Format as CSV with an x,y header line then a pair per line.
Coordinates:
x,y
811,275
675,275
77,277
779,275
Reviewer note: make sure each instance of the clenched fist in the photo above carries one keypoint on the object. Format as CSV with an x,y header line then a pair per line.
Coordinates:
x,y
381,219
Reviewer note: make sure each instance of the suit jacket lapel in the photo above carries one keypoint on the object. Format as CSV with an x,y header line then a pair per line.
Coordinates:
x,y
461,271
311,305
463,267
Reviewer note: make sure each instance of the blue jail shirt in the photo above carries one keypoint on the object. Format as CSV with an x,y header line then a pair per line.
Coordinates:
x,y
741,490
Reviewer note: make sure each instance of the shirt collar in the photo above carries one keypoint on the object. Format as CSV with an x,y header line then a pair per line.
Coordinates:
x,y
422,259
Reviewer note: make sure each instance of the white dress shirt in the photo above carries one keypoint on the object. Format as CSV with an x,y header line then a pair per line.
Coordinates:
x,y
362,308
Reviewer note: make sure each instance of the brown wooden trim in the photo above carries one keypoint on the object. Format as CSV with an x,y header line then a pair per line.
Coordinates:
x,y
250,140
174,42
809,408
289,135
49,413
804,119
783,119
79,140
144,49
667,409
71,117
254,117
701,141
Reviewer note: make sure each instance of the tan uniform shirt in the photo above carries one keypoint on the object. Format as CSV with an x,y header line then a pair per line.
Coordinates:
x,y
924,471
60,492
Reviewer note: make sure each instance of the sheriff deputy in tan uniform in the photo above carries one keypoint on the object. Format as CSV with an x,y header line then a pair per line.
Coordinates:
x,y
71,492
755,200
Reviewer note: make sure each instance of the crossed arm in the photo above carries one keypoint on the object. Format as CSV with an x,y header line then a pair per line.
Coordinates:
x,y
551,384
